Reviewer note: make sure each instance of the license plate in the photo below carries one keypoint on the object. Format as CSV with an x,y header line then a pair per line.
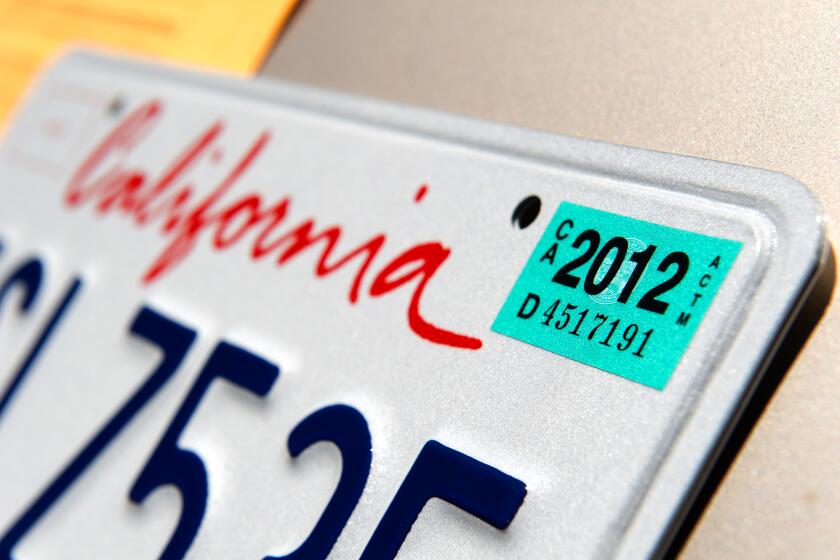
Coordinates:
x,y
252,319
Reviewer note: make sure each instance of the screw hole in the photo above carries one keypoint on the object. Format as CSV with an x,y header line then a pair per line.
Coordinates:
x,y
526,211
116,106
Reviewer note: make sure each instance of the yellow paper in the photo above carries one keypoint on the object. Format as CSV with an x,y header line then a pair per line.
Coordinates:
x,y
223,34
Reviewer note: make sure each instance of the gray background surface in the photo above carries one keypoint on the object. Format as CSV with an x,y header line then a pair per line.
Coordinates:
x,y
754,83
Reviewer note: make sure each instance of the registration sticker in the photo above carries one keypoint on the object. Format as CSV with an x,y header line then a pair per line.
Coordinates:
x,y
621,294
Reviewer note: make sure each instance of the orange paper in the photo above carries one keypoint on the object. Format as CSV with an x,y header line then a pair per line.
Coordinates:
x,y
222,34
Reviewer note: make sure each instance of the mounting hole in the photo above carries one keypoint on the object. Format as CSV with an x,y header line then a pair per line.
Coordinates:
x,y
526,211
116,106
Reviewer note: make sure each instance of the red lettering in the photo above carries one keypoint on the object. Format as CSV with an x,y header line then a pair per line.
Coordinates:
x,y
169,200
301,238
119,189
249,206
261,247
423,261
122,139
188,229
187,159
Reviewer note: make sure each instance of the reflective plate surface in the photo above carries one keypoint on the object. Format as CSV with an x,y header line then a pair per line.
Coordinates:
x,y
243,319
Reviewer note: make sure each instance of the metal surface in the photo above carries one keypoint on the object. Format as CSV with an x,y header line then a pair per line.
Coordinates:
x,y
608,463
754,83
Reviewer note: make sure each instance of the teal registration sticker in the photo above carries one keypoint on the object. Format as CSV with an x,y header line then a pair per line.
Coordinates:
x,y
617,293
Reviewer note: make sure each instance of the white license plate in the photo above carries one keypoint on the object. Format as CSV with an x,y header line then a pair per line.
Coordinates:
x,y
250,319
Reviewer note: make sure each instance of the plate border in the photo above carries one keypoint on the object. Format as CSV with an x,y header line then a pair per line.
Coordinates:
x,y
798,243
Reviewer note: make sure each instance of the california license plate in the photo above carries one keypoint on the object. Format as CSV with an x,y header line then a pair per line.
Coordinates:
x,y
255,320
